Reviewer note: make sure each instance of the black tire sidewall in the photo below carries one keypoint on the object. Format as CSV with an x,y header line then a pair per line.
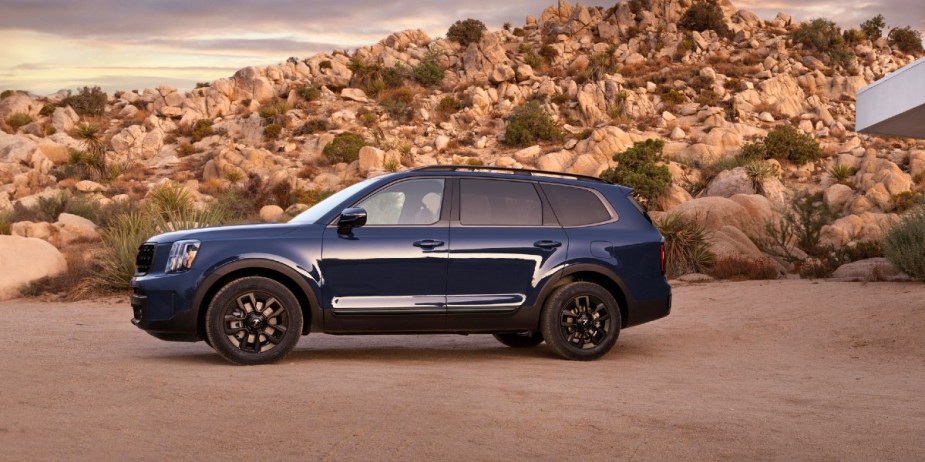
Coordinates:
x,y
550,319
215,328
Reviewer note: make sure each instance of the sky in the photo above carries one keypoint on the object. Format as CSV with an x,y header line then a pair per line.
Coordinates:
x,y
48,45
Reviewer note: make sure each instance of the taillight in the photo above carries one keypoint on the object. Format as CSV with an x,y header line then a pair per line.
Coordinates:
x,y
661,251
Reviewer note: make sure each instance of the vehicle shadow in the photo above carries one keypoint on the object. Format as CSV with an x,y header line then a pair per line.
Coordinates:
x,y
397,353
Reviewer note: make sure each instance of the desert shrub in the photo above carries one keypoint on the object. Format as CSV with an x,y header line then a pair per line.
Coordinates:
x,y
784,143
203,84
311,127
758,172
529,124
449,105
907,200
236,204
548,52
705,15
709,97
272,131
398,103
121,240
345,148
7,93
373,78
823,36
853,36
736,85
907,40
686,246
639,169
6,223
201,129
88,101
466,32
312,196
428,72
18,120
903,244
601,64
168,199
49,208
800,224
673,97
532,59
841,173
740,268
308,92
873,27
274,109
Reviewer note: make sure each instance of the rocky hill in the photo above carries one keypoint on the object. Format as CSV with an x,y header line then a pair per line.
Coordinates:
x,y
607,78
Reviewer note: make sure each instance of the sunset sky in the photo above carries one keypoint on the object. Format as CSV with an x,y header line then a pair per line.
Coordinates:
x,y
54,44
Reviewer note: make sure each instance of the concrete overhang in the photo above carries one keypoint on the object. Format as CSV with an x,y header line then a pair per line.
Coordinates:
x,y
895,104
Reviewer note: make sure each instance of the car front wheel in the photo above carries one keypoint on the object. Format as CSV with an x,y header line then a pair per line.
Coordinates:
x,y
581,321
253,320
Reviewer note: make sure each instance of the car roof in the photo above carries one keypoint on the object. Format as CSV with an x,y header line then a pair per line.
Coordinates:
x,y
505,173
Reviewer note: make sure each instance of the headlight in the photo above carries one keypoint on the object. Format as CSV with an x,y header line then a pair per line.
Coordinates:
x,y
182,255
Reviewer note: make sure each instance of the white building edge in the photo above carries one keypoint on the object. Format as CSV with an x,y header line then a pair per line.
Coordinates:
x,y
895,104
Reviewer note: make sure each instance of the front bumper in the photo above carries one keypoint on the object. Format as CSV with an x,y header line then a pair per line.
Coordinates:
x,y
163,313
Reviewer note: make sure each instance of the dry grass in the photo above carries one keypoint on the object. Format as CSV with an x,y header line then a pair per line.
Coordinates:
x,y
741,268
73,284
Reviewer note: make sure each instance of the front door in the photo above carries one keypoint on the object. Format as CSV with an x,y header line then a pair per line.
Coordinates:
x,y
505,240
390,275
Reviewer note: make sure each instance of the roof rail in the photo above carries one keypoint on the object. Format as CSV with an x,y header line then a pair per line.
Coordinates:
x,y
522,171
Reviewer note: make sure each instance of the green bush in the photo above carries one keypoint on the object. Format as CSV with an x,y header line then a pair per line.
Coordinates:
x,y
449,105
121,240
841,173
907,40
530,124
428,72
18,120
373,78
638,169
800,224
823,36
398,103
705,15
466,32
201,129
345,148
272,131
6,223
873,27
7,93
904,246
784,143
88,101
49,208
274,109
686,247
309,92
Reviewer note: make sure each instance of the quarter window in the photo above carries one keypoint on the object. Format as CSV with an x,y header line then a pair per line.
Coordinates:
x,y
499,203
412,202
576,206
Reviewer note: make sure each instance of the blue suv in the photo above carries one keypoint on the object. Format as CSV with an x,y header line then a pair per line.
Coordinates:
x,y
525,255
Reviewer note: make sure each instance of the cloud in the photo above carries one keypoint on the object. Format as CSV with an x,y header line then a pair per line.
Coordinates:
x,y
170,38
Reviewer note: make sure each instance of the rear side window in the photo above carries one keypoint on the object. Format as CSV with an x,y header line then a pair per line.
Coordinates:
x,y
499,203
576,206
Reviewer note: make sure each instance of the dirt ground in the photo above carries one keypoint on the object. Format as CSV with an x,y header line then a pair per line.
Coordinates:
x,y
782,370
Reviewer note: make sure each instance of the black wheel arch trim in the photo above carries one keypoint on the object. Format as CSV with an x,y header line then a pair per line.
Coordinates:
x,y
555,282
255,263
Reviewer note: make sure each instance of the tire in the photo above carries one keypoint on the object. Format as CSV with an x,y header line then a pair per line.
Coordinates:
x,y
581,321
520,339
263,320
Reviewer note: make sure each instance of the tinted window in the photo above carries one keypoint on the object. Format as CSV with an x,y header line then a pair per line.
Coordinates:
x,y
499,203
412,202
576,206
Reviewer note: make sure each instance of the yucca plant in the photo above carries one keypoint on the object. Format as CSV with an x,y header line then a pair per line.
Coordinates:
x,y
167,199
686,246
121,240
758,172
903,244
841,173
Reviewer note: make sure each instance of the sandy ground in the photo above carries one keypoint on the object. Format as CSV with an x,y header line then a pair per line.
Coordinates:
x,y
783,370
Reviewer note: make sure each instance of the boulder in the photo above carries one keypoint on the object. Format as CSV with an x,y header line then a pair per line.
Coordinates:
x,y
716,212
871,269
271,213
24,260
371,159
354,94
837,195
72,228
729,183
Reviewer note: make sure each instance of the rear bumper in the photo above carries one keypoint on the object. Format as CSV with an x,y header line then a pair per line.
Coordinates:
x,y
644,311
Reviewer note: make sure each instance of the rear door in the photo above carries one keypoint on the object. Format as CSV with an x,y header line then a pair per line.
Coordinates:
x,y
505,241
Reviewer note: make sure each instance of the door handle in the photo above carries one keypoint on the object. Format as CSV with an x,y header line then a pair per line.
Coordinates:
x,y
547,245
428,243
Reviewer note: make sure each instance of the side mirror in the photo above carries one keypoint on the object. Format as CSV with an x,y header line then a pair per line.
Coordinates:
x,y
349,219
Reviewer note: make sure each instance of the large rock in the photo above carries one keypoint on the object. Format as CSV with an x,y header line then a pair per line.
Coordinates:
x,y
24,260
19,103
716,212
271,213
371,159
871,269
730,182
74,228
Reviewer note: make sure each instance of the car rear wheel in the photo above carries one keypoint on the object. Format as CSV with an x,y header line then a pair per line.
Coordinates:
x,y
520,339
581,321
253,320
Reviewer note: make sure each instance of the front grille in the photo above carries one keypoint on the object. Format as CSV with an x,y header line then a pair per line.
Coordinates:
x,y
144,259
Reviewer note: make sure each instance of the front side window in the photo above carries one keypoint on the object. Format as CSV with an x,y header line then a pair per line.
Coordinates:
x,y
499,203
411,202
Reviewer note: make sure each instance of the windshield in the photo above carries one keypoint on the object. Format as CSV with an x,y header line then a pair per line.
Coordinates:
x,y
312,215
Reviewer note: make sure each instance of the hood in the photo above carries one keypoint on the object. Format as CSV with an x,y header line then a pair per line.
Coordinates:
x,y
222,233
